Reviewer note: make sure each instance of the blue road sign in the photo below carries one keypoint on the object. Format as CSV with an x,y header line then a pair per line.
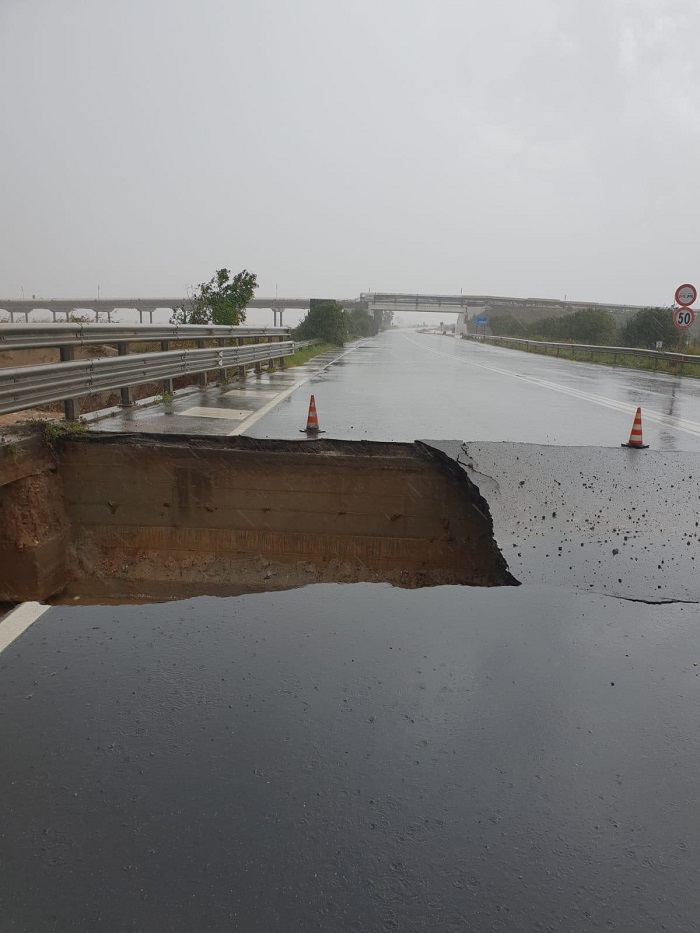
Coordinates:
x,y
481,320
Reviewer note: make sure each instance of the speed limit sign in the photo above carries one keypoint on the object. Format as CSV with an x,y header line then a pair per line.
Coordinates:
x,y
683,317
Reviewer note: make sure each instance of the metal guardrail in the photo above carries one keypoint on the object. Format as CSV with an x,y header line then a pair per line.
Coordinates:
x,y
615,352
23,387
31,386
31,336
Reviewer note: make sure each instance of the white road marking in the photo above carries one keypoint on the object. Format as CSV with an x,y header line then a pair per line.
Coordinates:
x,y
233,414
261,412
668,421
18,621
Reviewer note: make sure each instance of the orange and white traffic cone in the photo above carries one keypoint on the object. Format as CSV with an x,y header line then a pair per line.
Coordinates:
x,y
312,420
636,433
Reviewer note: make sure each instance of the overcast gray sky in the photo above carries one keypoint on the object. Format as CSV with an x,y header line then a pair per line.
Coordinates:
x,y
521,147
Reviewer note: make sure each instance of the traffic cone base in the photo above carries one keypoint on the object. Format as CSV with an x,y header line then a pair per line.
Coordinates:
x,y
635,440
312,420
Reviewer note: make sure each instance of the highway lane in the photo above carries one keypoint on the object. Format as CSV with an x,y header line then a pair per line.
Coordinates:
x,y
370,759
405,385
353,758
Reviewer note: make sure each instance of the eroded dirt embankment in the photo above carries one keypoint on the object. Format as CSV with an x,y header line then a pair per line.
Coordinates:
x,y
150,517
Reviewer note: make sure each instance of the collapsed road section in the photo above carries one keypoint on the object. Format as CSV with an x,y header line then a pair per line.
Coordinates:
x,y
614,521
147,517
143,517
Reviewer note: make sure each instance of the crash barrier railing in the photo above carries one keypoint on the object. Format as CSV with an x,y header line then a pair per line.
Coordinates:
x,y
592,349
31,336
32,386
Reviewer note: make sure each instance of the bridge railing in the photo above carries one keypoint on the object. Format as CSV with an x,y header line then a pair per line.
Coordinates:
x,y
23,387
591,349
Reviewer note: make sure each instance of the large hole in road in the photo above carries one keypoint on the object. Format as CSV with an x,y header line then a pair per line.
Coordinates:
x,y
106,517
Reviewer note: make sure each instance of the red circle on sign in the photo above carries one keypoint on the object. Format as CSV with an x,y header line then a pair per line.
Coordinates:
x,y
683,317
683,295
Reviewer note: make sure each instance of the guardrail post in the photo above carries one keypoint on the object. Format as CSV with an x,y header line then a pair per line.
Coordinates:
x,y
202,377
168,387
71,412
282,360
223,373
270,362
127,393
241,369
258,365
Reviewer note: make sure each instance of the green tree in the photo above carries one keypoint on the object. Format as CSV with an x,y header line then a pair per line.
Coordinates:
x,y
360,323
221,300
590,325
324,321
649,325
505,325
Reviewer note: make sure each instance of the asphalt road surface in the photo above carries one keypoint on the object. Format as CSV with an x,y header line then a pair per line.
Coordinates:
x,y
353,758
404,385
367,759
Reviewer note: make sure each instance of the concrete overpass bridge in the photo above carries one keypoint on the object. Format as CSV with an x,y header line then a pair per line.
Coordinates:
x,y
467,306
104,308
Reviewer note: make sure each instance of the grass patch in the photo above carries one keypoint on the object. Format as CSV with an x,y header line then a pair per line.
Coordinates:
x,y
627,361
308,353
52,432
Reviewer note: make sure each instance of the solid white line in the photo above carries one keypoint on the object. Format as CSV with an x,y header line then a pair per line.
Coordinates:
x,y
668,421
261,412
18,621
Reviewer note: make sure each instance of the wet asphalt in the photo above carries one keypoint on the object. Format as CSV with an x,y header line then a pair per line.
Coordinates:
x,y
362,758
353,758
219,408
404,385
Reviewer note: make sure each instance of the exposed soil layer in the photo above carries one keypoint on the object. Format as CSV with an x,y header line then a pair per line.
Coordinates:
x,y
144,517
